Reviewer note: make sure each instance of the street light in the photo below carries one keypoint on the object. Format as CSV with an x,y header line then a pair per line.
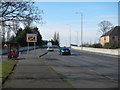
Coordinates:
x,y
76,38
70,33
81,28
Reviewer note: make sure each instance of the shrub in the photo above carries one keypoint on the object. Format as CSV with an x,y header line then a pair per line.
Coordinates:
x,y
97,45
111,46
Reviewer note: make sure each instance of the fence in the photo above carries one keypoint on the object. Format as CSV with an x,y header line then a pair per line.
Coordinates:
x,y
5,51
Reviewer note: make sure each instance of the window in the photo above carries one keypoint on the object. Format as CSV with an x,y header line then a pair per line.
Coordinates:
x,y
104,38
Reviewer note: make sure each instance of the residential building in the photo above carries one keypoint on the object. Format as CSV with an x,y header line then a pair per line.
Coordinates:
x,y
112,36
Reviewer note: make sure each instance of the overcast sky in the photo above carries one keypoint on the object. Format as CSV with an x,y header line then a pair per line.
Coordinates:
x,y
61,17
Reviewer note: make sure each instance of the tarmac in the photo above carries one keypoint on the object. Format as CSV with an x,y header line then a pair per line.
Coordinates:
x,y
32,71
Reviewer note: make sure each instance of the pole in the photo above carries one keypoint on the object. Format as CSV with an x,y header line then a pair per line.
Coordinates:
x,y
81,28
70,36
34,46
77,39
81,31
28,48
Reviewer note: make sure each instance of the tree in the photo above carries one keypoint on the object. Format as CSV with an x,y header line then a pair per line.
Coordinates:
x,y
19,31
39,37
55,40
55,37
21,36
105,26
58,38
24,12
19,11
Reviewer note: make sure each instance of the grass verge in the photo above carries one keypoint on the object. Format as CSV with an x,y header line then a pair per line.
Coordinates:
x,y
62,77
0,72
7,69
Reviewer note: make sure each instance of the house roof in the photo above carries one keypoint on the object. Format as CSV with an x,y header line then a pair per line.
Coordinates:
x,y
113,32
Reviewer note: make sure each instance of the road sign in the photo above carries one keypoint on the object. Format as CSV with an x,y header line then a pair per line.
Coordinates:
x,y
31,37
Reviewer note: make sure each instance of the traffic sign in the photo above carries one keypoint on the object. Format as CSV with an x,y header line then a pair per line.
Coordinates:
x,y
31,37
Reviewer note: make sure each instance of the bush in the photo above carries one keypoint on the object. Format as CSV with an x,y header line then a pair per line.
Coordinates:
x,y
111,46
97,45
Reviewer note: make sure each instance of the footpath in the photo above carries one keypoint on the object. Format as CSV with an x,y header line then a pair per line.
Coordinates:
x,y
32,72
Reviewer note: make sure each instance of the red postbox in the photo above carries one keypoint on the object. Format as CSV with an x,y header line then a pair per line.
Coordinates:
x,y
13,50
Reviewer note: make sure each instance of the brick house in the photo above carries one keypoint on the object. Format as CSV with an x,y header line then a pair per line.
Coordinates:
x,y
112,36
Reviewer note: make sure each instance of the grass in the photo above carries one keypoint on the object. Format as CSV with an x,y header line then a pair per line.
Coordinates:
x,y
0,71
7,67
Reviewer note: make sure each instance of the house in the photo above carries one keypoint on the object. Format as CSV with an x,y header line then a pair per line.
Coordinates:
x,y
112,36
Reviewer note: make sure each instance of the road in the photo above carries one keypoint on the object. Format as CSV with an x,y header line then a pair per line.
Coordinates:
x,y
85,69
81,70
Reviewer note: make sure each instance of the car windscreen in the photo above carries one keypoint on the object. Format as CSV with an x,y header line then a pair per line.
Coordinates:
x,y
65,49
49,47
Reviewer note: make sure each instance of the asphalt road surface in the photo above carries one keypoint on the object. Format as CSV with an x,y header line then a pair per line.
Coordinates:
x,y
85,69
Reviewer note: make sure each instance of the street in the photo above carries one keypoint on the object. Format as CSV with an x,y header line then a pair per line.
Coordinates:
x,y
86,69
35,36
81,69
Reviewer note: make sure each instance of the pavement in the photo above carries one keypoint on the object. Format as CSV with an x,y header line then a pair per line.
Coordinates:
x,y
33,72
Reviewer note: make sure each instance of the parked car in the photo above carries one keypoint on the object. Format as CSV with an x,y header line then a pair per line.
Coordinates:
x,y
65,51
50,49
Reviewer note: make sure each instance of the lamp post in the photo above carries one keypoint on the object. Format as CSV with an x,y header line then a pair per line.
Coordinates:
x,y
76,38
81,28
70,34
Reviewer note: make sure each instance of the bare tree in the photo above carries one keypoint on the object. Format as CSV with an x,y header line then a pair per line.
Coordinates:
x,y
19,11
15,26
24,12
105,26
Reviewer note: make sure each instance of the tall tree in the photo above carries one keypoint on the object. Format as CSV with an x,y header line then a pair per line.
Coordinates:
x,y
55,37
105,26
56,40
